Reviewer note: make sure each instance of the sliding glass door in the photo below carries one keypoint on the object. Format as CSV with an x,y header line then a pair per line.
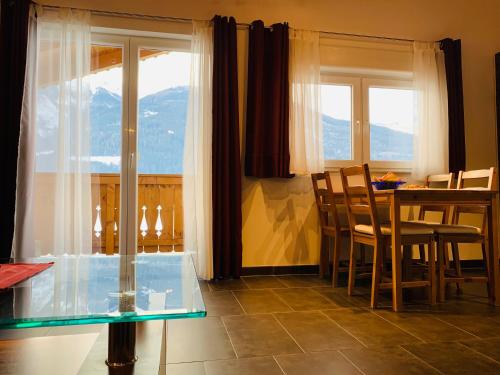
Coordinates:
x,y
140,113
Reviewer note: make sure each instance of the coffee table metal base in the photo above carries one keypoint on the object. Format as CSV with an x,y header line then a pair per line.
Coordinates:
x,y
121,344
145,356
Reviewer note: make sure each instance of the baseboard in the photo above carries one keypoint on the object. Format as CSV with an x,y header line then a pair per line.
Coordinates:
x,y
312,269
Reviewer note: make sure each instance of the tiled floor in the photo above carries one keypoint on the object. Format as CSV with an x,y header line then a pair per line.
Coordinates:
x,y
299,325
295,325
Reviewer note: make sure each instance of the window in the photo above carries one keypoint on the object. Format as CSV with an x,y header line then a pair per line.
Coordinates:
x,y
367,120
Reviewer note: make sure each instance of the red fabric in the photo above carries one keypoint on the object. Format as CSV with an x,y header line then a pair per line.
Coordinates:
x,y
11,274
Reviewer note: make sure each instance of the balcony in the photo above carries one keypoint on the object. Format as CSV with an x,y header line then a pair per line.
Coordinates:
x,y
160,215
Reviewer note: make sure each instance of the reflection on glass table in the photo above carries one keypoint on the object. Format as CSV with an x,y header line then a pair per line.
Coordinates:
x,y
119,290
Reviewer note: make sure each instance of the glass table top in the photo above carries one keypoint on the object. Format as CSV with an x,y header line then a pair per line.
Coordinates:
x,y
90,289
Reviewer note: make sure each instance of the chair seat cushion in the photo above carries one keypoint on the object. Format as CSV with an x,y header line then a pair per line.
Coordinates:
x,y
450,228
406,229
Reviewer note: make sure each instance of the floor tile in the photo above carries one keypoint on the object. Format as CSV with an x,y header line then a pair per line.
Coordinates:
x,y
221,303
424,326
297,281
259,335
243,366
18,334
316,332
480,326
204,286
302,299
489,347
75,330
322,363
369,328
192,368
63,354
260,301
231,284
453,358
387,361
339,297
192,340
263,282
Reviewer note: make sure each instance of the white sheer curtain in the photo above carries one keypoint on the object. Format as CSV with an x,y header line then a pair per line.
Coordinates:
x,y
197,167
306,127
53,209
430,154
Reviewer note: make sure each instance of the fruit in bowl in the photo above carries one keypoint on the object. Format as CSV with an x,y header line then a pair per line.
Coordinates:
x,y
387,182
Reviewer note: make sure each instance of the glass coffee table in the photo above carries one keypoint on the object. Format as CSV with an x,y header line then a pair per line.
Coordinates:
x,y
120,290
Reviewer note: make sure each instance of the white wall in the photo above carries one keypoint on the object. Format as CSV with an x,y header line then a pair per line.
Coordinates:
x,y
279,218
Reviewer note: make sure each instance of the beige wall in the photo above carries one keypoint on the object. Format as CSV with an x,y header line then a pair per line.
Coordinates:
x,y
279,218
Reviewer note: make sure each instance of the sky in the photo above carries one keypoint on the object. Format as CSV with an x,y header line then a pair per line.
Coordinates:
x,y
392,108
155,74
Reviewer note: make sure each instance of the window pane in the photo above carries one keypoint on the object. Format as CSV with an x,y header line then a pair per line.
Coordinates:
x,y
391,124
336,103
106,108
162,111
163,101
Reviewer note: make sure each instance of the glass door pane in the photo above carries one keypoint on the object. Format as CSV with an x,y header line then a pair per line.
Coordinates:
x,y
77,144
391,116
163,91
336,104
106,106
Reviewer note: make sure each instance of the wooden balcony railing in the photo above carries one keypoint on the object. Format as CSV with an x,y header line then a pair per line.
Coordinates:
x,y
160,221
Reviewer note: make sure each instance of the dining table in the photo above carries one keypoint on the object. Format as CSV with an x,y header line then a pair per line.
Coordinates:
x,y
397,198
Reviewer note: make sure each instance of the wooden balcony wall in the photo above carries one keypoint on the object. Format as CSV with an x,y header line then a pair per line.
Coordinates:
x,y
153,190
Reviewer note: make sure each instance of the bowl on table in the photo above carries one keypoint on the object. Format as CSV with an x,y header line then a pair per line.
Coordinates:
x,y
387,185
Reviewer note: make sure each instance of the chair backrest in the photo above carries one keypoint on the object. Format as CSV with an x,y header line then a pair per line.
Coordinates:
x,y
474,176
445,181
325,203
360,199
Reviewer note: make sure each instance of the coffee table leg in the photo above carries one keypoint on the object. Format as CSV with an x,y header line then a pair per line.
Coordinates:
x,y
121,344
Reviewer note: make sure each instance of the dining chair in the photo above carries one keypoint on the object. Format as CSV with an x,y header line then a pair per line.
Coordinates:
x,y
377,234
334,225
437,181
455,233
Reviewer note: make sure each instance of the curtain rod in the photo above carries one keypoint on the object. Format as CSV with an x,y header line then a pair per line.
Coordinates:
x,y
189,20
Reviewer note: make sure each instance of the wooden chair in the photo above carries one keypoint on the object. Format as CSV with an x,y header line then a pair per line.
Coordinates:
x,y
455,233
378,235
333,223
444,181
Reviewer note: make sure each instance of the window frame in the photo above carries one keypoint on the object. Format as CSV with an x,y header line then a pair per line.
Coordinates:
x,y
360,118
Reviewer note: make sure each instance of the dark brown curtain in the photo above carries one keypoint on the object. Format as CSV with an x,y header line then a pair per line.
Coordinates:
x,y
226,167
497,69
266,152
453,61
13,47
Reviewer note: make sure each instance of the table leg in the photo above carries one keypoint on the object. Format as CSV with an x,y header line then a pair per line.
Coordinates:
x,y
121,344
397,292
494,272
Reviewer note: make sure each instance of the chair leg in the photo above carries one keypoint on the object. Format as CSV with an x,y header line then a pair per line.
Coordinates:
x,y
456,263
487,265
441,269
432,272
352,268
324,256
377,259
407,258
421,250
337,247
